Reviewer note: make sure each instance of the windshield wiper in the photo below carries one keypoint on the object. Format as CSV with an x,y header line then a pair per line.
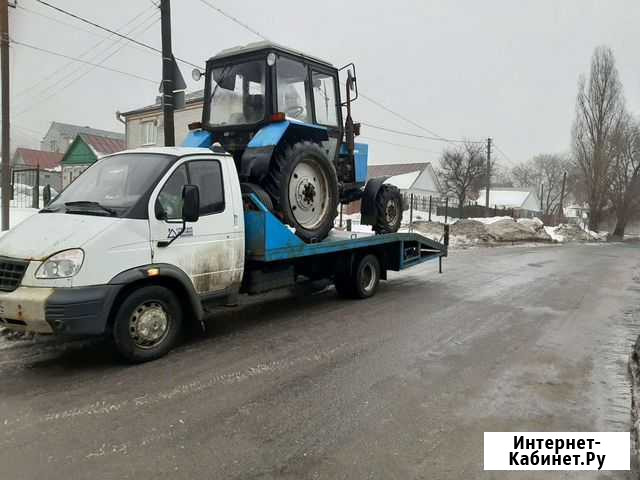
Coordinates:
x,y
49,210
87,203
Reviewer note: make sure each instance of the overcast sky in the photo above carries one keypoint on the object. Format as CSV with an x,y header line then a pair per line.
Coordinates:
x,y
463,69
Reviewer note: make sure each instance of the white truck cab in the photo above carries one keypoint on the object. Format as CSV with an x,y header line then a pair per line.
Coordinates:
x,y
75,267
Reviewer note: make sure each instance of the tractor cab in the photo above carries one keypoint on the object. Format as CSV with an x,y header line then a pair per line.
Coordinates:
x,y
250,87
278,112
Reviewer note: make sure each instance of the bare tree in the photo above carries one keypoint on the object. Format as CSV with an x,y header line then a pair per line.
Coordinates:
x,y
526,176
545,169
462,171
624,175
500,176
599,107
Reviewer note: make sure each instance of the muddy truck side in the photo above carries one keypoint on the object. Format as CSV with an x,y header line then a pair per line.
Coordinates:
x,y
145,241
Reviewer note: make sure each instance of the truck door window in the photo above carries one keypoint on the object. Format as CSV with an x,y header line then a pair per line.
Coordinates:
x,y
207,175
324,97
169,202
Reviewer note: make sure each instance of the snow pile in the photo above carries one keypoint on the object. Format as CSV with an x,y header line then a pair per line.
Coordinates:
x,y
533,223
489,220
568,232
486,231
508,230
554,234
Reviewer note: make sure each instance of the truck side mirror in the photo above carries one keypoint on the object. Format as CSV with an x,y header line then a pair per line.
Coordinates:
x,y
190,203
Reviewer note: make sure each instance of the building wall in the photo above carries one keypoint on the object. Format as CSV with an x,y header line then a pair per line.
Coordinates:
x,y
55,141
76,160
71,172
425,184
137,125
532,203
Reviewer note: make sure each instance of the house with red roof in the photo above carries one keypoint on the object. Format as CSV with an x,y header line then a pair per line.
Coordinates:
x,y
85,150
26,162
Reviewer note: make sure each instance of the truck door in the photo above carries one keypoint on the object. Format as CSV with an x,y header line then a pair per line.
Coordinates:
x,y
211,250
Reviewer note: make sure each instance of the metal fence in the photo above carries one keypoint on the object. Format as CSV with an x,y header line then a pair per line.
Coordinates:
x,y
29,189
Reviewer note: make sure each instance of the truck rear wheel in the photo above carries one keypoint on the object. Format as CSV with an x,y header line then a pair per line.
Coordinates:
x,y
303,185
363,281
147,324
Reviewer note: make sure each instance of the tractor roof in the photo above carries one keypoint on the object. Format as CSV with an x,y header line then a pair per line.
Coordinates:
x,y
260,46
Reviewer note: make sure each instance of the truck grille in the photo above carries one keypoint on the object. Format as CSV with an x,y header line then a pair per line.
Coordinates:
x,y
11,273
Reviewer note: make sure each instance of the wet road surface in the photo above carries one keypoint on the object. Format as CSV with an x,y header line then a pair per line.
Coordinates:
x,y
402,385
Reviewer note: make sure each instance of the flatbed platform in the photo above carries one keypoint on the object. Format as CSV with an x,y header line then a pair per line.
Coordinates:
x,y
269,240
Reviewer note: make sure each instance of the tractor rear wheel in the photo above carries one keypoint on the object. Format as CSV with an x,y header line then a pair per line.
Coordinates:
x,y
303,185
388,209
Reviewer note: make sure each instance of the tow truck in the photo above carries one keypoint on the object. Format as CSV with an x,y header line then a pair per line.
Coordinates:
x,y
147,241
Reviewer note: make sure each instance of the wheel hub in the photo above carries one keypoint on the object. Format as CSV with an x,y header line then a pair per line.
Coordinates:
x,y
306,193
148,324
391,212
308,190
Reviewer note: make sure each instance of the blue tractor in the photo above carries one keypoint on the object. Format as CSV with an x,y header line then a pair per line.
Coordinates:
x,y
279,113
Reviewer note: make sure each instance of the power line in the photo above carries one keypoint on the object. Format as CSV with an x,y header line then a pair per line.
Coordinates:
x,y
74,80
113,32
377,140
415,135
505,155
76,27
234,19
92,49
366,97
56,20
408,120
95,65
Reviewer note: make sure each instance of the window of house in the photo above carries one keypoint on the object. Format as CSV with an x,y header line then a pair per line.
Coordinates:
x,y
324,97
207,175
149,132
292,82
53,146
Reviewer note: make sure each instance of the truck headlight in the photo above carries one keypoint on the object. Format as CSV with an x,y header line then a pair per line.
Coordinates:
x,y
63,264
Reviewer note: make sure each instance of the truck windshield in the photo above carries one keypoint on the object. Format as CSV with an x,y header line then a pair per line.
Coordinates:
x,y
112,185
237,94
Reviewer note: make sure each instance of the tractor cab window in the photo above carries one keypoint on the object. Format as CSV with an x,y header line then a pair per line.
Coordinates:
x,y
292,84
237,94
324,98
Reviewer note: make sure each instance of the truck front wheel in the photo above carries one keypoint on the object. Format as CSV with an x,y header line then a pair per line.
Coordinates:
x,y
147,324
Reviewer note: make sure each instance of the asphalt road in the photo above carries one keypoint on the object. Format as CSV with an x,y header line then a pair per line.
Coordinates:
x,y
402,385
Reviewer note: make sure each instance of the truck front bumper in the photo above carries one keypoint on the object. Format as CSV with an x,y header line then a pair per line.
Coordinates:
x,y
64,311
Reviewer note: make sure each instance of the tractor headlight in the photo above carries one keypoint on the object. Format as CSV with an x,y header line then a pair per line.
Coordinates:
x,y
63,264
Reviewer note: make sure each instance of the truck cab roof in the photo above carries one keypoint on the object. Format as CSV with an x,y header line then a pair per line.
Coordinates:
x,y
175,151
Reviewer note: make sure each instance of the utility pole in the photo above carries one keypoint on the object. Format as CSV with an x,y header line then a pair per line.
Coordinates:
x,y
542,198
486,204
167,74
4,78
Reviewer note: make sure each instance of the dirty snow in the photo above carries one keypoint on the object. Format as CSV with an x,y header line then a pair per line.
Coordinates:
x,y
489,220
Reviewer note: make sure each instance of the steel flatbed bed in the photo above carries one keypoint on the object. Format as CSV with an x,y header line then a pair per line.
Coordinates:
x,y
269,240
